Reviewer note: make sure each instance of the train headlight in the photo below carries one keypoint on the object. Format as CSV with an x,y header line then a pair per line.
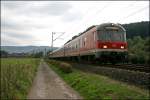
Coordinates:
x,y
104,46
122,47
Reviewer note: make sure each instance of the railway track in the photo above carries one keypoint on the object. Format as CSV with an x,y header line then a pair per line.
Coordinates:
x,y
135,67
131,67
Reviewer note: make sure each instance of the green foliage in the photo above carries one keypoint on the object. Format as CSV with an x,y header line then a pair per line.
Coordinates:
x,y
17,76
63,66
92,86
3,53
137,29
139,50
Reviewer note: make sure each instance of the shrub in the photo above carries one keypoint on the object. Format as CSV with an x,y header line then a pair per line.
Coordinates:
x,y
65,67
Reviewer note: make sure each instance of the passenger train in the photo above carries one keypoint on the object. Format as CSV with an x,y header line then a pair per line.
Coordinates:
x,y
103,43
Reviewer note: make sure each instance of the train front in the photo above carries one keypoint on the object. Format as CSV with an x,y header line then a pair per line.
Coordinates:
x,y
111,43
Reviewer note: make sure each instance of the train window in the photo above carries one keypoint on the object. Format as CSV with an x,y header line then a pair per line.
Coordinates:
x,y
84,43
94,35
112,36
81,43
85,38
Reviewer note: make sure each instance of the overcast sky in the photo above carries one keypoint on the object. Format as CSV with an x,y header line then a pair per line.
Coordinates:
x,y
32,22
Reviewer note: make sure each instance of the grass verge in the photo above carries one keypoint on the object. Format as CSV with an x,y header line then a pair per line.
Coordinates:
x,y
17,76
93,86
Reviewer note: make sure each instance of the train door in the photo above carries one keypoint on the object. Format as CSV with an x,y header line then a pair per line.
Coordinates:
x,y
94,38
79,46
64,50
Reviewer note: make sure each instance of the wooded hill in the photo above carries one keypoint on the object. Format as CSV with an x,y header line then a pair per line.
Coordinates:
x,y
137,29
138,39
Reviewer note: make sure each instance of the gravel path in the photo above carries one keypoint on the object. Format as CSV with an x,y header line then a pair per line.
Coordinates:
x,y
48,85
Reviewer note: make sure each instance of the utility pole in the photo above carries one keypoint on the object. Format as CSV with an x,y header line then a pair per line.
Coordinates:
x,y
55,38
52,42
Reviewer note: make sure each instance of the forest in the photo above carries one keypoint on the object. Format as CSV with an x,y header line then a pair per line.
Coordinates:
x,y
137,29
138,39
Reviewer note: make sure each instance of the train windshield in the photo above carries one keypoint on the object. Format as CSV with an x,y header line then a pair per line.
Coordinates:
x,y
112,35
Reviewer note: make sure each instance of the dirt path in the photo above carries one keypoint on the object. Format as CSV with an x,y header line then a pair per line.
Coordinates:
x,y
48,85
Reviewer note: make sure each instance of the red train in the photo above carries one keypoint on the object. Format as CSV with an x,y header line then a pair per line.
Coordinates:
x,y
105,43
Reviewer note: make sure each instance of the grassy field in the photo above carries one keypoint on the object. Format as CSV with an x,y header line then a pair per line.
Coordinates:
x,y
16,76
93,86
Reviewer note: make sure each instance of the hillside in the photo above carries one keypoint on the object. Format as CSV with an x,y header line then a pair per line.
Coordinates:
x,y
137,29
26,49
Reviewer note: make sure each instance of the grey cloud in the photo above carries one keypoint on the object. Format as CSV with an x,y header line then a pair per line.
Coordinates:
x,y
13,26
27,8
6,24
54,9
6,42
13,5
13,29
72,17
24,25
17,35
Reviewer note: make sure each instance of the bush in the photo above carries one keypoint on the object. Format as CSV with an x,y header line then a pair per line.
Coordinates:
x,y
139,50
54,62
65,67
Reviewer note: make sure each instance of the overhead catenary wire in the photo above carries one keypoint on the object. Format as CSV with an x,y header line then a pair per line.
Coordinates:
x,y
127,7
95,14
138,11
133,13
100,10
59,35
86,12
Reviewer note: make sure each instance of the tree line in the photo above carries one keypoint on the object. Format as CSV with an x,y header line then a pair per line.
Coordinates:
x,y
138,39
137,29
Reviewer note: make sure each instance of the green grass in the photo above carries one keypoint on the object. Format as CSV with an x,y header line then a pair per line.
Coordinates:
x,y
93,86
16,76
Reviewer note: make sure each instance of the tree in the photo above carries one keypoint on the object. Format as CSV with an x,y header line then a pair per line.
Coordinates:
x,y
137,29
3,53
139,50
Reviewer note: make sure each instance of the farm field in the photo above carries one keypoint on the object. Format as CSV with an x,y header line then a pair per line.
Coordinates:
x,y
93,86
16,76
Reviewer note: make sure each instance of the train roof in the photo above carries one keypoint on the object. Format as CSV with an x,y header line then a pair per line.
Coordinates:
x,y
101,26
98,27
57,49
81,33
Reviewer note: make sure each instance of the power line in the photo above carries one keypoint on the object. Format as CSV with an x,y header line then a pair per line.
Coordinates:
x,y
138,11
132,14
89,9
93,15
55,38
84,16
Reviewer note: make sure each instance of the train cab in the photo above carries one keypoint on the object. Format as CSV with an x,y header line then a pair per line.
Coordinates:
x,y
111,41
